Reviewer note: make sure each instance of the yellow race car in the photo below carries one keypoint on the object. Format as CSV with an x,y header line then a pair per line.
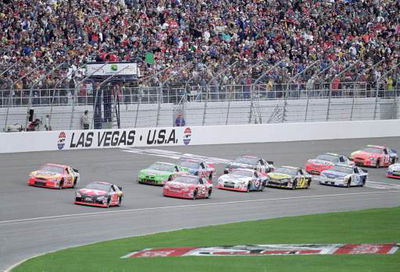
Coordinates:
x,y
289,177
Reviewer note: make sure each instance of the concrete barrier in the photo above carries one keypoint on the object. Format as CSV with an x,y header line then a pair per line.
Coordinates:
x,y
196,135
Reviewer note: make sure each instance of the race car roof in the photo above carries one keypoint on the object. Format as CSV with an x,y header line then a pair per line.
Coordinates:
x,y
377,146
57,165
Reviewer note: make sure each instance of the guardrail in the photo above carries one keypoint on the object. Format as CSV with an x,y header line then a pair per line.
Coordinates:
x,y
200,105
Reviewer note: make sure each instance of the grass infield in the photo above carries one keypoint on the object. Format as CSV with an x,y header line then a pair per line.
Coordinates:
x,y
366,226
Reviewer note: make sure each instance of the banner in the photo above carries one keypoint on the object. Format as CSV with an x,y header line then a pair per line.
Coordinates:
x,y
272,249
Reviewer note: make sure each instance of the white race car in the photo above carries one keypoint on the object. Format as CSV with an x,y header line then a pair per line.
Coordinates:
x,y
243,180
393,171
344,176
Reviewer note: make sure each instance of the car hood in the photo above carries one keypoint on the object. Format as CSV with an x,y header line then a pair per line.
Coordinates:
x,y
333,174
240,165
92,192
275,175
234,178
46,174
321,162
155,172
179,185
363,154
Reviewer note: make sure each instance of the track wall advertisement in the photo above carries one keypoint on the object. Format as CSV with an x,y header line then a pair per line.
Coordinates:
x,y
198,135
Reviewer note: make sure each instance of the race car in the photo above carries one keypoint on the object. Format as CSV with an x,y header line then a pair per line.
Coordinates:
x,y
393,171
344,176
159,172
289,177
326,161
374,155
243,180
251,162
100,194
197,167
53,175
188,186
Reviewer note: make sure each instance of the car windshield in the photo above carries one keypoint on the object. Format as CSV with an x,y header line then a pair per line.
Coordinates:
x,y
189,164
98,186
286,170
327,157
162,167
247,160
342,169
186,179
52,169
242,173
373,150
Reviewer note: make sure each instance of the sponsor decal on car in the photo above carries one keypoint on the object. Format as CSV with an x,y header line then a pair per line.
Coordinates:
x,y
271,249
61,140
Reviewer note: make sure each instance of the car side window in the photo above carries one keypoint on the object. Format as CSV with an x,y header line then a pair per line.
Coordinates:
x,y
202,165
201,181
341,159
67,171
255,174
176,168
300,172
385,151
262,162
113,188
356,170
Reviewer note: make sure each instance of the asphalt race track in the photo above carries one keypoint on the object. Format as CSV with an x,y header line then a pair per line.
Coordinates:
x,y
37,220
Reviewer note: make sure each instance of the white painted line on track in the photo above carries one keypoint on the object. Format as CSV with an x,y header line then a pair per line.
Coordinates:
x,y
65,216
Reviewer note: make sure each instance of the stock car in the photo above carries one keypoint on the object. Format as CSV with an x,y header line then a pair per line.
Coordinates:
x,y
53,175
197,167
100,194
251,162
344,176
243,180
188,186
159,172
325,161
289,177
393,171
374,155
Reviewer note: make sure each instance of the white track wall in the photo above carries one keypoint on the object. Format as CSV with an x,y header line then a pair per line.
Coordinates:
x,y
196,135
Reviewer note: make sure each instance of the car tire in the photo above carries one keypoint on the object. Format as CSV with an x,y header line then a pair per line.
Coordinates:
x,y
248,188
194,194
169,178
308,183
294,185
377,163
209,193
349,183
108,202
210,176
61,184
74,185
262,187
119,201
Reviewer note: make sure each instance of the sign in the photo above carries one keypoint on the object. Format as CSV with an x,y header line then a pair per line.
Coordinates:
x,y
271,249
128,69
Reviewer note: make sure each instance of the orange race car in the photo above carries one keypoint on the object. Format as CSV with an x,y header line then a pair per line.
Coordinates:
x,y
56,176
374,155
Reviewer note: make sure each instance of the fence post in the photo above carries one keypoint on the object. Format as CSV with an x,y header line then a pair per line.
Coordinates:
x,y
205,106
308,101
352,108
376,99
284,110
74,98
159,97
329,104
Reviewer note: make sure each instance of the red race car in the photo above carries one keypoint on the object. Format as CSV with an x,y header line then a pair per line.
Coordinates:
x,y
188,186
56,176
100,194
374,155
325,162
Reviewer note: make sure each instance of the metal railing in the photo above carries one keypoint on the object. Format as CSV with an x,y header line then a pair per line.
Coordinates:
x,y
259,103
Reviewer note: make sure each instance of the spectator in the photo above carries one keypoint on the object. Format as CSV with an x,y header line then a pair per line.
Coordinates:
x,y
47,125
34,125
85,120
180,121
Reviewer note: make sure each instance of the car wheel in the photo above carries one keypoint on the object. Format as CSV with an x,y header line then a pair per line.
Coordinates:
x,y
61,185
377,163
349,183
169,178
248,188
74,185
294,185
262,186
308,183
209,193
194,195
108,203
119,201
210,176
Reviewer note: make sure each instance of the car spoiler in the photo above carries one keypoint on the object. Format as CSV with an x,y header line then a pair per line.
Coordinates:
x,y
120,187
75,170
364,170
270,162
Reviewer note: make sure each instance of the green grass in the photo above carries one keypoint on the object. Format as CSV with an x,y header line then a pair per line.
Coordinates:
x,y
367,226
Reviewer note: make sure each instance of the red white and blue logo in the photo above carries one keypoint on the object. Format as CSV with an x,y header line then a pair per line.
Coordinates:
x,y
61,140
187,136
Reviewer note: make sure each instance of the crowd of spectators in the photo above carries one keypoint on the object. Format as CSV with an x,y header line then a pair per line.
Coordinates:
x,y
201,41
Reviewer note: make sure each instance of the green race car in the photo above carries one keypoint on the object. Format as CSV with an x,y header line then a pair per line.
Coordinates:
x,y
159,172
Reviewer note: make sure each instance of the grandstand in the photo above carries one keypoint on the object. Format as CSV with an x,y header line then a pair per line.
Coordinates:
x,y
240,54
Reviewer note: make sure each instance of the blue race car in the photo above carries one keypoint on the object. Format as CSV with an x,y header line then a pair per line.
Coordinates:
x,y
344,176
